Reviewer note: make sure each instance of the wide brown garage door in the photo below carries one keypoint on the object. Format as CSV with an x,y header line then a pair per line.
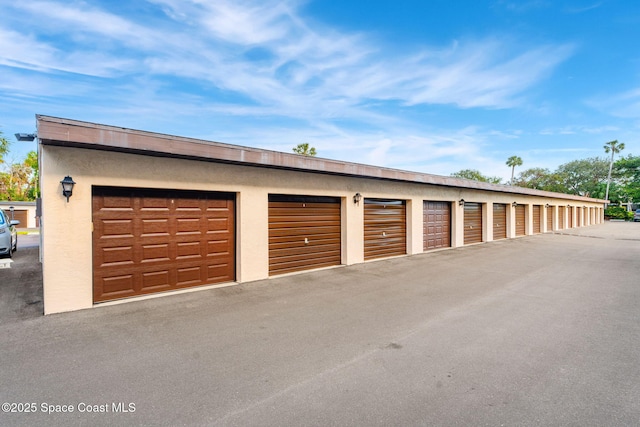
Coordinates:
x,y
304,233
436,225
147,241
549,218
520,217
385,228
537,213
472,223
560,217
499,221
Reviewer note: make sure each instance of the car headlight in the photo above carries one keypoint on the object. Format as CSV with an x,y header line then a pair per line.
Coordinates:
x,y
3,230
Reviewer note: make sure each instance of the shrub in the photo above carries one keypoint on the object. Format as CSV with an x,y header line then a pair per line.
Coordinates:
x,y
618,212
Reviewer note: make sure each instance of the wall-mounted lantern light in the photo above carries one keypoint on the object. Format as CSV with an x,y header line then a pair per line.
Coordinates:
x,y
67,187
568,206
461,202
356,198
547,205
514,204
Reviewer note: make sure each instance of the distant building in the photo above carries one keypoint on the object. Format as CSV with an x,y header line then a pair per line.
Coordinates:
x,y
25,212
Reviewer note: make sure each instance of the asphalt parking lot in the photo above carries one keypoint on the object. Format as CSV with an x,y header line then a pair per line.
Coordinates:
x,y
21,282
541,330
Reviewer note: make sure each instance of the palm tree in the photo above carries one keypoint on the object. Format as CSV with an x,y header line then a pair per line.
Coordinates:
x,y
512,162
304,149
613,147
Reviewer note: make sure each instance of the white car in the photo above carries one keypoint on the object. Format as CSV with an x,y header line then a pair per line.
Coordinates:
x,y
8,235
636,215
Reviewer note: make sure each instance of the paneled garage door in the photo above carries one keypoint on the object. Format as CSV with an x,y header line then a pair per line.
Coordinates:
x,y
147,241
304,233
436,225
520,218
561,210
537,213
499,221
570,218
472,223
385,228
550,218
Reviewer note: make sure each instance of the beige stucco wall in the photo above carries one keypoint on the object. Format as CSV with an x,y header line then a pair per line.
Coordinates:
x,y
67,228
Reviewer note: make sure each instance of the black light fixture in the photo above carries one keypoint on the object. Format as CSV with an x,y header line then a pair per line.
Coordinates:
x,y
26,136
461,202
67,187
356,198
547,205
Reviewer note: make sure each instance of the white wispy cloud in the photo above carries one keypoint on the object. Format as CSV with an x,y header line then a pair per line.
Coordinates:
x,y
331,70
227,60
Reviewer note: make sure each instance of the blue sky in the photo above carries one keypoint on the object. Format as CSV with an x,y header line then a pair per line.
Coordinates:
x,y
427,85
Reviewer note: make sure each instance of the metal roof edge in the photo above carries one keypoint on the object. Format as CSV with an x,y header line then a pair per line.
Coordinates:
x,y
69,132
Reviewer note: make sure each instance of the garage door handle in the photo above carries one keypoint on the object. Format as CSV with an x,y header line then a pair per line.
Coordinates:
x,y
306,241
384,234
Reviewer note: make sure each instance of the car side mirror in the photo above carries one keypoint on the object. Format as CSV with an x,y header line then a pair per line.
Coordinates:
x,y
14,222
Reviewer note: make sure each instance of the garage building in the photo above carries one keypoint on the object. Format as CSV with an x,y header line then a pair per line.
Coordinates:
x,y
152,214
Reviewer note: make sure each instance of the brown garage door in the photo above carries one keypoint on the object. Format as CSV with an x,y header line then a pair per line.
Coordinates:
x,y
147,241
499,221
304,233
21,215
550,218
436,225
570,219
561,217
579,217
537,227
520,217
385,228
472,223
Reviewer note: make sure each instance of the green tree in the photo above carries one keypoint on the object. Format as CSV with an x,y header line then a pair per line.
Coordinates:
x,y
304,149
476,175
4,147
20,175
583,177
626,172
540,179
20,182
512,162
612,147
33,191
